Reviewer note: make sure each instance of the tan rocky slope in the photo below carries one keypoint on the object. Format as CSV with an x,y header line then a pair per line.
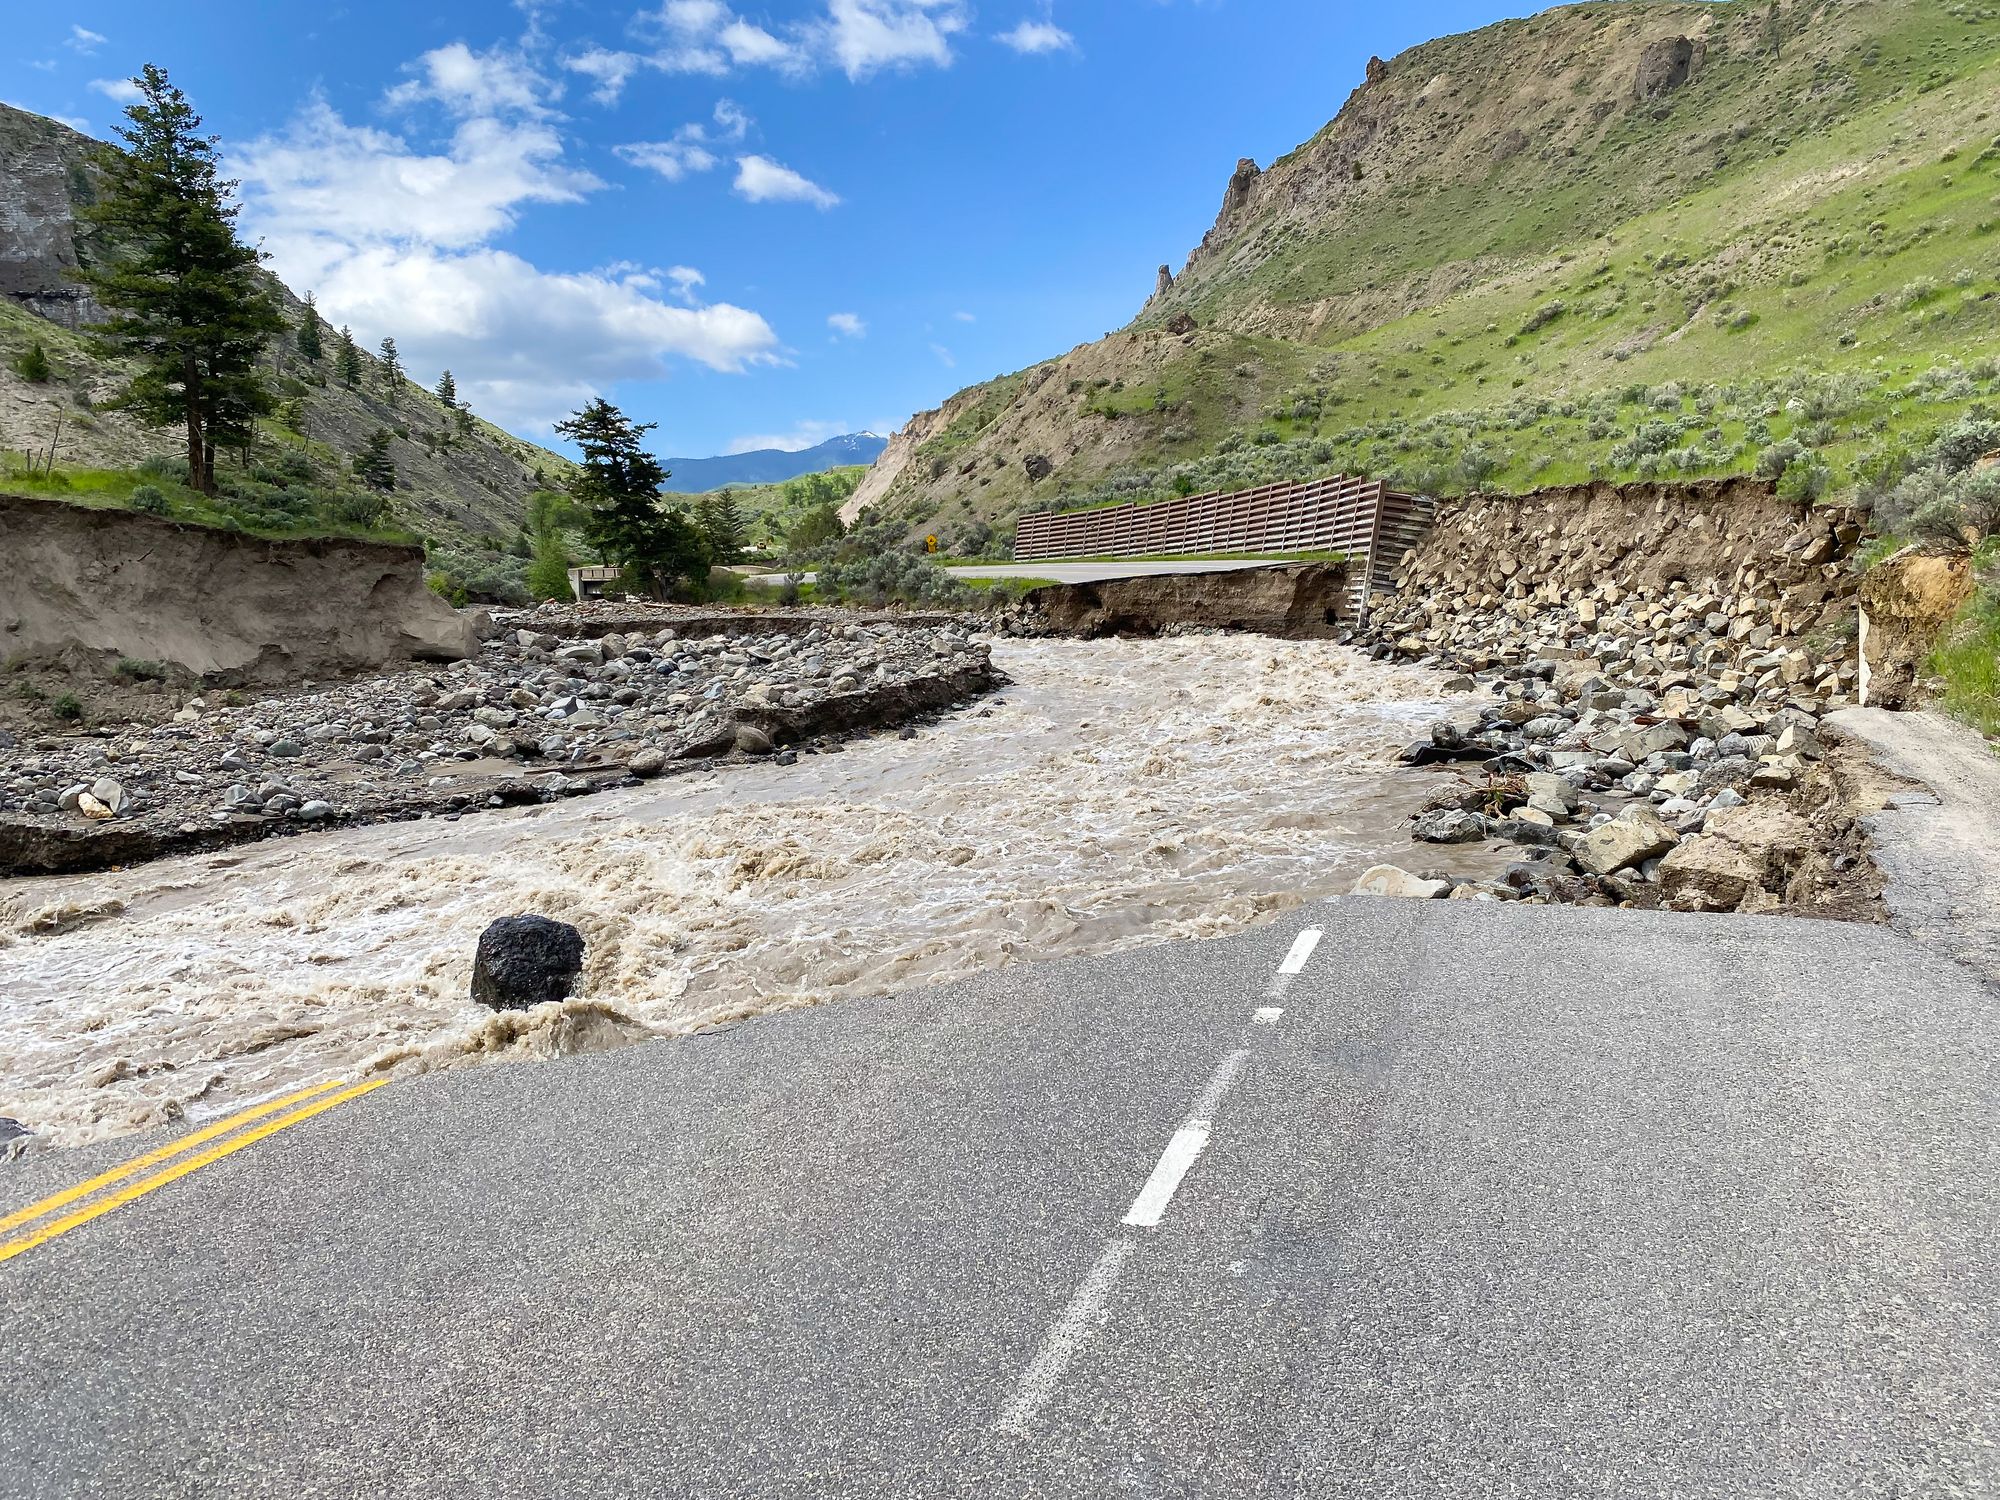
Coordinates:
x,y
450,483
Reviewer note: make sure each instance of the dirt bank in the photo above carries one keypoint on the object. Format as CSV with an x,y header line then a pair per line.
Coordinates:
x,y
88,587
1298,602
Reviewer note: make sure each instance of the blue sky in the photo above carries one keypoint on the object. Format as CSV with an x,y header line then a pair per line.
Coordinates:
x,y
755,224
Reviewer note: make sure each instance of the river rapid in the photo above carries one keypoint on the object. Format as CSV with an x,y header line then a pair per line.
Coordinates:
x,y
1121,792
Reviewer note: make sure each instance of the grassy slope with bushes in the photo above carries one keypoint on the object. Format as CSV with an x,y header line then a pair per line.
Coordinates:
x,y
1789,265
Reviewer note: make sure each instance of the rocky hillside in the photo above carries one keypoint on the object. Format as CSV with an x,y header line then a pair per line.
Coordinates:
x,y
1615,240
452,483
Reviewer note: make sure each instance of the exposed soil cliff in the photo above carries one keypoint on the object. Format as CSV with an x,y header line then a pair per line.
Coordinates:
x,y
95,585
1298,603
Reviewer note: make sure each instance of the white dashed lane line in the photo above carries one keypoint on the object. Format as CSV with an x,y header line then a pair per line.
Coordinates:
x,y
1088,1309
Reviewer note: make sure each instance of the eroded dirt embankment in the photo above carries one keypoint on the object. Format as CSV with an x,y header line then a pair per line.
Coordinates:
x,y
83,587
1302,601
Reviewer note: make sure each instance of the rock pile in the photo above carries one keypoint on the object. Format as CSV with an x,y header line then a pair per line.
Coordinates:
x,y
535,715
1651,676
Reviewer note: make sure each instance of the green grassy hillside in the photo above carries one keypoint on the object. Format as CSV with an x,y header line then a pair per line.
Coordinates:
x,y
1530,255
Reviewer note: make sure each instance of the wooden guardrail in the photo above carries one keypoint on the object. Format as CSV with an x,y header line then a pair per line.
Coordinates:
x,y
1370,523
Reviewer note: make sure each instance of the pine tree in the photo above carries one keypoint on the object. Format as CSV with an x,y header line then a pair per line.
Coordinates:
x,y
373,465
391,371
617,486
33,366
308,334
720,520
347,360
447,391
187,306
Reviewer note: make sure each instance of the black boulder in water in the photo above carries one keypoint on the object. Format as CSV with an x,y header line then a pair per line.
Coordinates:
x,y
522,961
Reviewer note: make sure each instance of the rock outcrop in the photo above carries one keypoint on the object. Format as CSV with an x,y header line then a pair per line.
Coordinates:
x,y
41,173
1301,601
1666,65
1907,604
85,585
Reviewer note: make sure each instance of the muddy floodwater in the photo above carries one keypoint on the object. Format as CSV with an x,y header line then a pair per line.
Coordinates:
x,y
1120,792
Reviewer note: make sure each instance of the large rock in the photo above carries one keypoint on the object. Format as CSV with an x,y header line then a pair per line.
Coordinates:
x,y
1636,835
1742,851
1666,65
1389,880
524,961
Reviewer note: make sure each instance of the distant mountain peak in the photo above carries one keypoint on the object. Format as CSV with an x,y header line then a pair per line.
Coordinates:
x,y
694,476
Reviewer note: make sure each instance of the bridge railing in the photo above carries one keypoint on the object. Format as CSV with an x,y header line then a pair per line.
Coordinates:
x,y
1364,519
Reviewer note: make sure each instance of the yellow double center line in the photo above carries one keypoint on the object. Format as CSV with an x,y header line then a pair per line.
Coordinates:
x,y
220,1139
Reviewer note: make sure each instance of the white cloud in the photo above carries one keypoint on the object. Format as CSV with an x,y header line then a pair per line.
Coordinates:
x,y
761,180
807,434
395,240
865,36
731,121
325,177
945,356
706,36
476,83
848,325
83,39
1037,36
753,46
673,160
118,90
963,317
535,343
858,36
610,70
688,150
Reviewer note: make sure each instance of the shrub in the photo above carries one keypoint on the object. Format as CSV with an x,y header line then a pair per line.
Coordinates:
x,y
67,707
142,671
32,365
147,497
1774,460
1963,443
1917,293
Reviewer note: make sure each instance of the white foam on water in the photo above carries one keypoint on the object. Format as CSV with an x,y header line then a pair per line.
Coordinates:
x,y
1127,791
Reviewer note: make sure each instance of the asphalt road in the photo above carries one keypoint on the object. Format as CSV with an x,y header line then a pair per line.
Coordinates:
x,y
1939,840
1505,1202
1080,572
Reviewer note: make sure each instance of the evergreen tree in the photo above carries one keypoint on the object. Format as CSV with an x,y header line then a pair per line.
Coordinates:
x,y
373,465
447,391
720,520
391,371
308,334
186,304
33,366
617,487
347,360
